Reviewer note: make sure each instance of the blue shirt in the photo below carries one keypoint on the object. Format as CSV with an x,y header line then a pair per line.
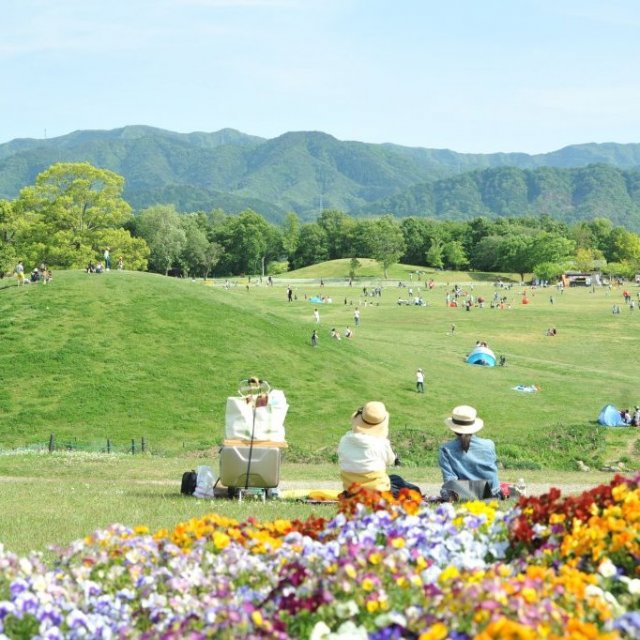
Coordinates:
x,y
478,463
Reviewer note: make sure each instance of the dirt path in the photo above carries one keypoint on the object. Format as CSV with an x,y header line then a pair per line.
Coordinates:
x,y
433,489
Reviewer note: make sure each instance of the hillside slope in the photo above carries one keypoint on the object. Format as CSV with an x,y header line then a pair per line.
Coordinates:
x,y
125,356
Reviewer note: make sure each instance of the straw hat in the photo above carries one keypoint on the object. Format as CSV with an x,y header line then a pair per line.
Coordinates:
x,y
464,420
372,419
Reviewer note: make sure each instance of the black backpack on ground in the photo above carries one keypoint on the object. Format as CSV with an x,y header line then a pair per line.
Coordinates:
x,y
189,480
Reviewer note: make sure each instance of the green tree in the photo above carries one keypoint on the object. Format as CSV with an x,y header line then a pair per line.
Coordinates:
x,y
514,254
193,257
386,242
291,234
245,241
69,206
161,227
312,246
134,251
484,254
435,255
212,257
624,246
354,265
550,247
8,258
338,227
455,254
549,270
585,258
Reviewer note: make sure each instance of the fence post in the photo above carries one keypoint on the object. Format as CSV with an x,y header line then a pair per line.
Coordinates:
x,y
143,447
108,445
52,443
133,446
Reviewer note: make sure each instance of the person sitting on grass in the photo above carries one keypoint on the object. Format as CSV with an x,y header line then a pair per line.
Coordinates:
x,y
364,453
468,457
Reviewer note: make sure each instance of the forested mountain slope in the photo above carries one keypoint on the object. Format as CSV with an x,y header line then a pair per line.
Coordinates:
x,y
307,172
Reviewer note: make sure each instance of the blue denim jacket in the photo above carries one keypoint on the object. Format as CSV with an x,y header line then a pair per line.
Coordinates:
x,y
479,463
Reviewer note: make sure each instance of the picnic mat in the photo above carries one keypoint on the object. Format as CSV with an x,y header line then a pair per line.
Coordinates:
x,y
311,496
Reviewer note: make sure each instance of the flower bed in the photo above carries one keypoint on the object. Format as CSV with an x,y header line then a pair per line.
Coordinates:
x,y
548,567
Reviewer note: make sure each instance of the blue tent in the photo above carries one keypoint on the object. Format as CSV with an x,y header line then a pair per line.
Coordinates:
x,y
610,417
483,356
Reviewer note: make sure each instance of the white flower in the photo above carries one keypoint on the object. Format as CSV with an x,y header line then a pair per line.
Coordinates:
x,y
26,567
320,632
633,584
592,590
607,569
349,631
390,617
346,609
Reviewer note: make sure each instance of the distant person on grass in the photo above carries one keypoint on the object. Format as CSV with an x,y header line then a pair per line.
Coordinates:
x,y
20,273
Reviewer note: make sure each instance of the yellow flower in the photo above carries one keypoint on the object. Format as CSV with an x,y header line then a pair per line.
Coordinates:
x,y
375,557
368,584
350,570
438,631
256,617
221,540
449,573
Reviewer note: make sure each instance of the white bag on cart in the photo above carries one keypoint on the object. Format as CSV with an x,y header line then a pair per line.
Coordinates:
x,y
269,419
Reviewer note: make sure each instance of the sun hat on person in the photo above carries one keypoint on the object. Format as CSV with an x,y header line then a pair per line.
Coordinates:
x,y
371,419
464,420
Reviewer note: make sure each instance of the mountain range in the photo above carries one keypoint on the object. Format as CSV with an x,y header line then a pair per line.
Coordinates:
x,y
307,172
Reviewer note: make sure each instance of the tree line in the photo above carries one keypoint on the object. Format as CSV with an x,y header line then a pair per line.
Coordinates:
x,y
73,211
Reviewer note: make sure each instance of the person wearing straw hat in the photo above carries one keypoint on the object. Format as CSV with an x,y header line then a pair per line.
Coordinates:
x,y
467,456
364,453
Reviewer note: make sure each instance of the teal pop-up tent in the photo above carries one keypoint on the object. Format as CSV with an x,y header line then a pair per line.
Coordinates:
x,y
610,417
483,356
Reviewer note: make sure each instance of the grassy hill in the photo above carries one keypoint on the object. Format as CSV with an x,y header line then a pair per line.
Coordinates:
x,y
126,355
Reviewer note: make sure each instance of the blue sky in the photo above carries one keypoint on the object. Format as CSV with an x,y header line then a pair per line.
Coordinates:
x,y
477,76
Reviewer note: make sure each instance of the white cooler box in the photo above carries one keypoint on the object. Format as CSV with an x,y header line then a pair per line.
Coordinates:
x,y
264,469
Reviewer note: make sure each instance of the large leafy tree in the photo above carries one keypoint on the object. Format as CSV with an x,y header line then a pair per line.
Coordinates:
x,y
455,255
8,256
68,210
339,228
291,234
193,258
161,227
245,240
312,245
386,242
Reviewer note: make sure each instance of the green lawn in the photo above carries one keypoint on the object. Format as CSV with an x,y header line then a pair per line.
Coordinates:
x,y
127,356
119,357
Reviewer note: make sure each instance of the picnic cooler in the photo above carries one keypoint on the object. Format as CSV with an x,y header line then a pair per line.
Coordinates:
x,y
251,452
261,470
